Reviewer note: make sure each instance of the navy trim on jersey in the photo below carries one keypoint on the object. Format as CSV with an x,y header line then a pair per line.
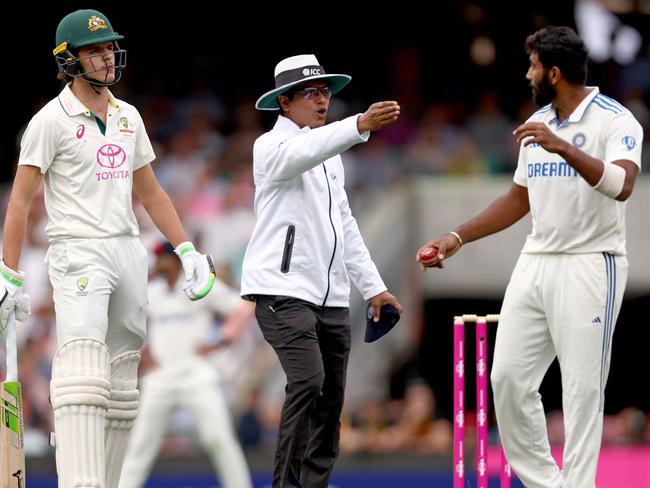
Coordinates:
x,y
561,123
605,107
612,102
610,299
329,269
544,109
608,102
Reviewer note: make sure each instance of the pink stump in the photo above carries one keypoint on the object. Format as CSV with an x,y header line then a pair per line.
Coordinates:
x,y
459,402
481,403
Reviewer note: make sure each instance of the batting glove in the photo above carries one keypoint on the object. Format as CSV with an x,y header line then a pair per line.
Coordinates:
x,y
199,271
12,298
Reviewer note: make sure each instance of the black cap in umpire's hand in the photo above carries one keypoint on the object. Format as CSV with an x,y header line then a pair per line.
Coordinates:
x,y
388,317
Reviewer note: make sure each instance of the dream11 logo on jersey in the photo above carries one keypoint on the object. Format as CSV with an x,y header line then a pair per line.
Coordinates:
x,y
110,157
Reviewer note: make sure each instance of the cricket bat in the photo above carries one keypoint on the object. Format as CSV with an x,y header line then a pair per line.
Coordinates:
x,y
12,447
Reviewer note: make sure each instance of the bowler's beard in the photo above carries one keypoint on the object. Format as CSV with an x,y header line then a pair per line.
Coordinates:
x,y
543,93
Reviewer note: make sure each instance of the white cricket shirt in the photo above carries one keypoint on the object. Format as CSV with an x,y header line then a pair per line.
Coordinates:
x,y
178,326
88,174
569,216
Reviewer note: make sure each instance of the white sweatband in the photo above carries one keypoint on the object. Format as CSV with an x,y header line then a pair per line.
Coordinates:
x,y
612,181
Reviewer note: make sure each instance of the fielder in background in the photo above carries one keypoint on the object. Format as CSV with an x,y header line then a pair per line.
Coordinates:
x,y
305,247
92,152
579,157
178,338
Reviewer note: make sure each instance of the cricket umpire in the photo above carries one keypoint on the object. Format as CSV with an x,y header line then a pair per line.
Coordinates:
x,y
305,247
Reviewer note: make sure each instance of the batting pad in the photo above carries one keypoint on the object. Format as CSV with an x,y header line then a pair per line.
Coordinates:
x,y
122,410
79,391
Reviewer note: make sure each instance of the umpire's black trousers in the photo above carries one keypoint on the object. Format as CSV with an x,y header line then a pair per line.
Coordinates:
x,y
313,344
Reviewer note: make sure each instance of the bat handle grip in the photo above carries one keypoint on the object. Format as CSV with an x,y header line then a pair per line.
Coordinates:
x,y
12,352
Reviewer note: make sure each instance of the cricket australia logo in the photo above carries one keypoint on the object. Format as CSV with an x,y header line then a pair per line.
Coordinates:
x,y
96,23
123,127
82,284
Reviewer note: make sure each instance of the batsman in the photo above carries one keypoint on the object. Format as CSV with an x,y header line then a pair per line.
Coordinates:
x,y
92,153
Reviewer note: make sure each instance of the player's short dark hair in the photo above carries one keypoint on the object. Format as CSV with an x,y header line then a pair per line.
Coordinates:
x,y
560,46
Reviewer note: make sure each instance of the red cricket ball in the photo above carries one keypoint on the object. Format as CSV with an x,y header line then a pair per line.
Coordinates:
x,y
428,254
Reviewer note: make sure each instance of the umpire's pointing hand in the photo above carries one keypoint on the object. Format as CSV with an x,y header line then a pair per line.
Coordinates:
x,y
378,115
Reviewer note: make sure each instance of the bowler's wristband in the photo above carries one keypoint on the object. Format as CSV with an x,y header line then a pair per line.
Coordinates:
x,y
612,181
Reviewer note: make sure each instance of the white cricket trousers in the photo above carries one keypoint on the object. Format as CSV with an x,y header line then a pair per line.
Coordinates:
x,y
563,305
163,391
100,291
100,297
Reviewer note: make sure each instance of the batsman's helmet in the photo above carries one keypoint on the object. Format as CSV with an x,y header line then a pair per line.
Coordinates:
x,y
84,28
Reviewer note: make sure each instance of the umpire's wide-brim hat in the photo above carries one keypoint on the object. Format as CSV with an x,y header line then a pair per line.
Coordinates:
x,y
295,70
388,317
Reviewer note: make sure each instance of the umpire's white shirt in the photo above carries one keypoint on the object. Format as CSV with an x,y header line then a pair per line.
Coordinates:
x,y
306,242
569,216
88,175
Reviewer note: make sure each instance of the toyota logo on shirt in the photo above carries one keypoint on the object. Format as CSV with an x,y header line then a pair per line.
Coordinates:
x,y
111,156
